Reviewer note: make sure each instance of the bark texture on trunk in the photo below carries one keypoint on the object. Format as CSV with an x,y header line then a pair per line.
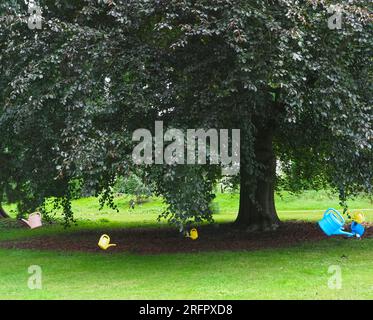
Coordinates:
x,y
3,214
259,213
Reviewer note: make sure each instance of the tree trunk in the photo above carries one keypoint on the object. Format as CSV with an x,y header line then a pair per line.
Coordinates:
x,y
258,213
3,214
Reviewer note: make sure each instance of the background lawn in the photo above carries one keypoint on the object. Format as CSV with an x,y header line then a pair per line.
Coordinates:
x,y
299,272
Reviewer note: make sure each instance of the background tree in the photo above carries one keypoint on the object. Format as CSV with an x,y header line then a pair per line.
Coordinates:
x,y
73,93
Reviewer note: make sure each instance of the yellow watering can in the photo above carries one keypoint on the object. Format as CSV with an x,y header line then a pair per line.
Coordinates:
x,y
358,217
193,234
104,242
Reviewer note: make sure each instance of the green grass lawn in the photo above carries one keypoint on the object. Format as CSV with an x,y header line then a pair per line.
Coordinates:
x,y
299,272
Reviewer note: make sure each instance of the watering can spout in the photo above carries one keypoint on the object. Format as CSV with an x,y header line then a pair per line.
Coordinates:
x,y
26,221
348,234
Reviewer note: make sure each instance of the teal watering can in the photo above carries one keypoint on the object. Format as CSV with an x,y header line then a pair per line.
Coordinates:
x,y
332,223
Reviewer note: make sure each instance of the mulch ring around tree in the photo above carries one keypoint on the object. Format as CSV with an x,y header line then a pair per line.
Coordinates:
x,y
169,240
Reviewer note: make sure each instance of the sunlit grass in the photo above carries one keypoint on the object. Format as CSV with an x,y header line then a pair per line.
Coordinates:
x,y
296,273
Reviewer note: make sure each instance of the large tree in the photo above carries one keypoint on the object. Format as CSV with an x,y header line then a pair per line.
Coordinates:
x,y
72,93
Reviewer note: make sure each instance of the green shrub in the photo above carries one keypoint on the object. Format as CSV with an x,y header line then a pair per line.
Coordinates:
x,y
133,185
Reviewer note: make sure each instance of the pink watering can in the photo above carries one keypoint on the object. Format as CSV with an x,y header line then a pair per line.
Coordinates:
x,y
34,220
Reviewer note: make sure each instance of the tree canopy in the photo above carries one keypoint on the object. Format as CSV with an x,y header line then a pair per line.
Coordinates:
x,y
73,92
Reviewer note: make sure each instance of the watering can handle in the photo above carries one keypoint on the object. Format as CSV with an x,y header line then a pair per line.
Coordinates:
x,y
337,212
35,214
105,236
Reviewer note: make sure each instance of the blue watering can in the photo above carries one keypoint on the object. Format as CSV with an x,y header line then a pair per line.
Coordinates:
x,y
332,223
